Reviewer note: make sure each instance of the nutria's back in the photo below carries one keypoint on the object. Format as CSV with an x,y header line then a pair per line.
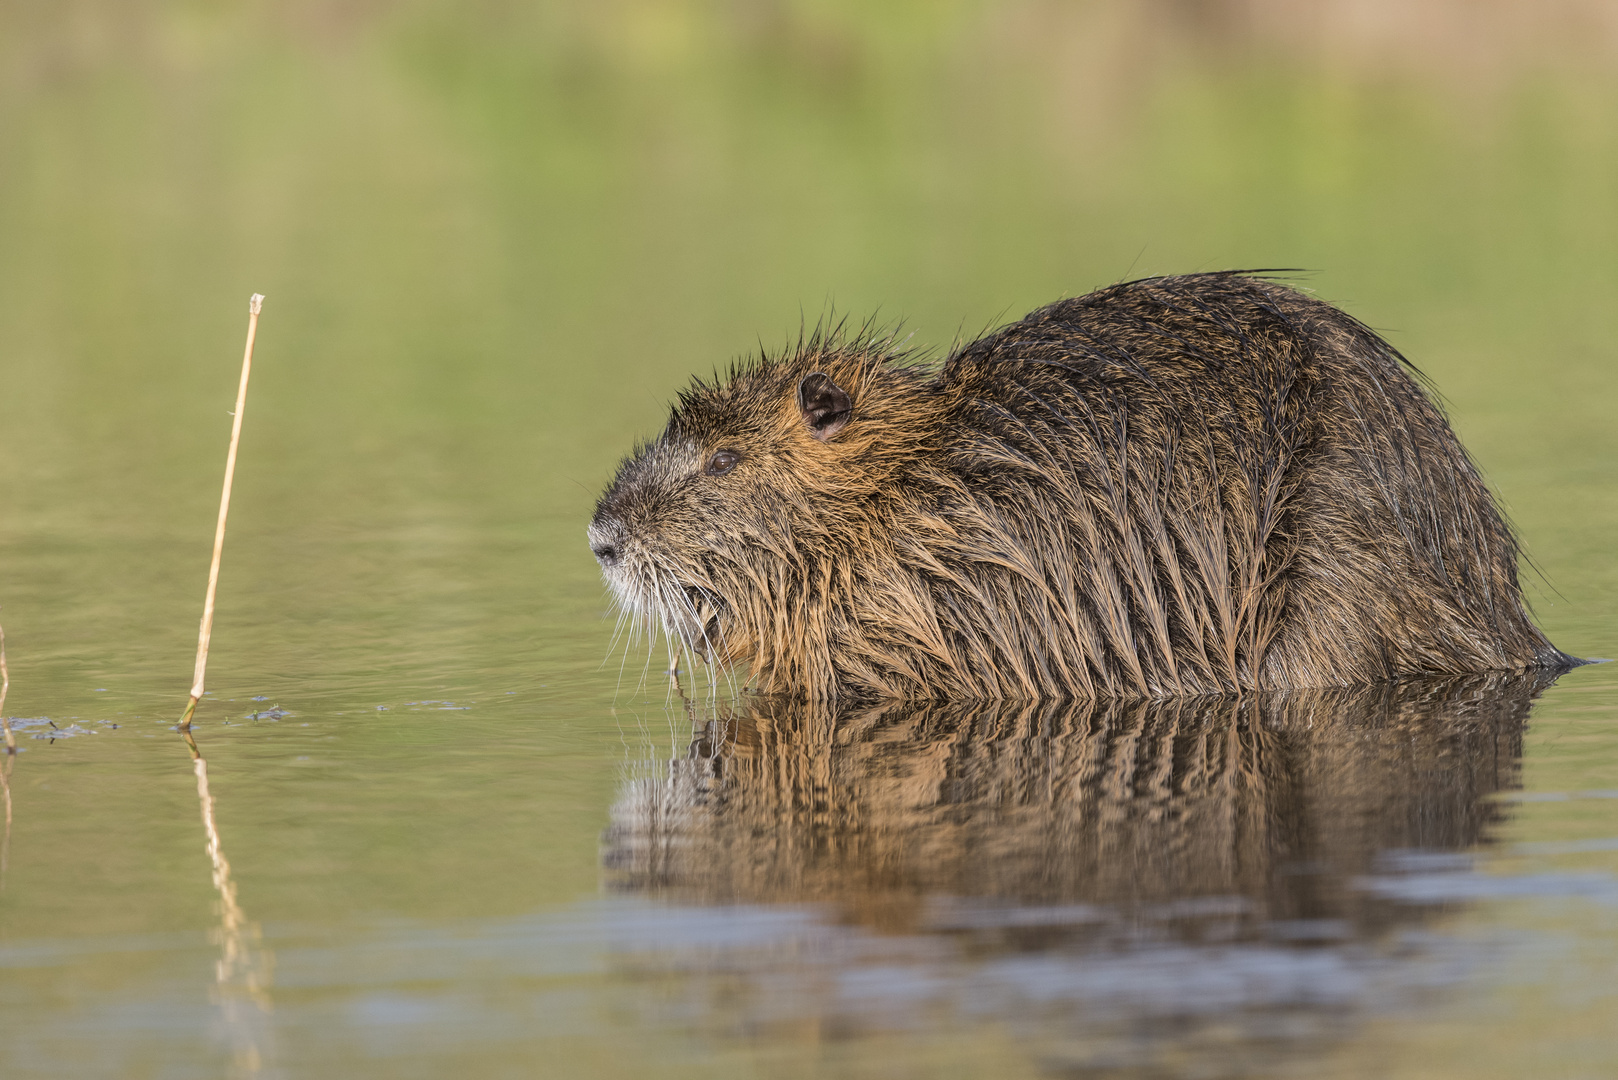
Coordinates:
x,y
1181,485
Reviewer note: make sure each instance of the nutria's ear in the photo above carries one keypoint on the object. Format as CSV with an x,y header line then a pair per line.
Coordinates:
x,y
825,407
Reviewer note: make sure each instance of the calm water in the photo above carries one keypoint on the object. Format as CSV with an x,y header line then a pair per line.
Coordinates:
x,y
440,825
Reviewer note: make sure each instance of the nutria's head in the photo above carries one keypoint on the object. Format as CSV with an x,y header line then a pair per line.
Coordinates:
x,y
721,531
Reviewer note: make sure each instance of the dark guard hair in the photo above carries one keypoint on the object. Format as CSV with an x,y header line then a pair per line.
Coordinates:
x,y
1182,485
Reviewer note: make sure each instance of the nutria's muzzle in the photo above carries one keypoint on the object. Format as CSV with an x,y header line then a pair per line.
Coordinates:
x,y
646,587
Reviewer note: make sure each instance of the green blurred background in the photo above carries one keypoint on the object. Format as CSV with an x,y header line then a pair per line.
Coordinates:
x,y
496,236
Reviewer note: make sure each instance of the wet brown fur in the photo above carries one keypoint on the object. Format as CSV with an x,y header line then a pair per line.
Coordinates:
x,y
1183,485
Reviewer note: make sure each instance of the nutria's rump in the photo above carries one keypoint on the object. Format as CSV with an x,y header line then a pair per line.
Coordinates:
x,y
1181,485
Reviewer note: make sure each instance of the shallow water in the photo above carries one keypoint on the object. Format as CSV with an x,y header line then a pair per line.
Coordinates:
x,y
448,829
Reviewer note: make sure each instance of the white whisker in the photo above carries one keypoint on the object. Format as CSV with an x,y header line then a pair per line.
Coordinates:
x,y
657,599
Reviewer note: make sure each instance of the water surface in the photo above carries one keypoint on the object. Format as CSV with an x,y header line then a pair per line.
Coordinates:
x,y
448,830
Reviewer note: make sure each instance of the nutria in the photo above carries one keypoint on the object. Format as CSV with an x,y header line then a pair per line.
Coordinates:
x,y
1200,484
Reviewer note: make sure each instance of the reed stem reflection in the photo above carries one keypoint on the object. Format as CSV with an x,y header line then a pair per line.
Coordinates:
x,y
5,789
243,971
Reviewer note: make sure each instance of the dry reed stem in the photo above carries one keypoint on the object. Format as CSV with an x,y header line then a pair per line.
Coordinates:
x,y
206,632
5,685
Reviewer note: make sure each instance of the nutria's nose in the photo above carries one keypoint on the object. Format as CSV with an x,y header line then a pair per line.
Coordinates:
x,y
606,541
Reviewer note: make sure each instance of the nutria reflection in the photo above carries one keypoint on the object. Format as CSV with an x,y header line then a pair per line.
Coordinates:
x,y
1274,801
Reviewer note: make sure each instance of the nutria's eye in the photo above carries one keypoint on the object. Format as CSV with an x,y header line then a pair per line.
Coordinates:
x,y
722,462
